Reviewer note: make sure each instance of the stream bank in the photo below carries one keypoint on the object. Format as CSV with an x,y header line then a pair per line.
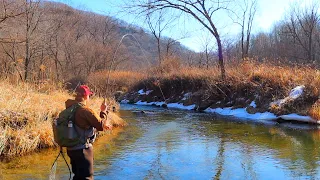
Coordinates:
x,y
257,99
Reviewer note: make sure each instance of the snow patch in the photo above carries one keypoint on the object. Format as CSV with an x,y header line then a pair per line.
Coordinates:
x,y
149,103
298,118
143,103
186,96
159,103
242,113
296,92
142,92
124,101
180,106
253,104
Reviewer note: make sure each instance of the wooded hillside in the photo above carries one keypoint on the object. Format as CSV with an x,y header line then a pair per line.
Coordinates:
x,y
47,40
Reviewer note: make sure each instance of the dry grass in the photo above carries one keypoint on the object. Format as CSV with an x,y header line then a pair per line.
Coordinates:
x,y
118,81
315,110
282,77
26,115
285,77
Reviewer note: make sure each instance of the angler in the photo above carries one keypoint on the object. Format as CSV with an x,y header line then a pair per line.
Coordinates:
x,y
84,122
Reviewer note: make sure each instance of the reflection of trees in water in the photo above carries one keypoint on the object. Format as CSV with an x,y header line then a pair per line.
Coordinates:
x,y
156,165
220,158
248,162
305,145
164,138
299,149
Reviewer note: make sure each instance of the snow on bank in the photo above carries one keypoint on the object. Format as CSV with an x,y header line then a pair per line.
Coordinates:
x,y
142,92
240,113
253,104
181,106
294,94
186,96
149,103
299,118
125,101
170,105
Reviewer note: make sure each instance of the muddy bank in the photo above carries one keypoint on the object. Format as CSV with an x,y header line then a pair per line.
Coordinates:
x,y
254,99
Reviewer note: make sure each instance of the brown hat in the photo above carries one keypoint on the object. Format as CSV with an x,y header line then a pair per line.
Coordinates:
x,y
83,90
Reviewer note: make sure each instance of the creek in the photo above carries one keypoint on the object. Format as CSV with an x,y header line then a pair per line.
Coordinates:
x,y
174,144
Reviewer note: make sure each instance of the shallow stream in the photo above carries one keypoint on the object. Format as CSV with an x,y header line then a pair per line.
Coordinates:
x,y
169,144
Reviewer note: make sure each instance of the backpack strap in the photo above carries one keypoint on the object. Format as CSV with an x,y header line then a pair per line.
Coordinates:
x,y
74,110
72,117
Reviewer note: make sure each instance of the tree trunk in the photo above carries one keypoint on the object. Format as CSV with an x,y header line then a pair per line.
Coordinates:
x,y
221,63
27,60
159,50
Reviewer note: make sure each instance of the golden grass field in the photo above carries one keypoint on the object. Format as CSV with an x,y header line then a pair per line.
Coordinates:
x,y
26,114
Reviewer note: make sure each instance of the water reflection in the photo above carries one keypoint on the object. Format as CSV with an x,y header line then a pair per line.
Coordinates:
x,y
166,144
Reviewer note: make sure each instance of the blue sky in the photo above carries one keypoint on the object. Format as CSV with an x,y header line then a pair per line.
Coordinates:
x,y
269,12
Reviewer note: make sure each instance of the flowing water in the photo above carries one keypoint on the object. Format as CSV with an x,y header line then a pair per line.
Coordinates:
x,y
169,144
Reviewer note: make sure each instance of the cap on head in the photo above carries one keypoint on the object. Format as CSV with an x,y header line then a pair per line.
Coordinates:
x,y
83,90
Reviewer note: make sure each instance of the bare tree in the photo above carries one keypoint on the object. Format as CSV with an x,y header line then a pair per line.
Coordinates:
x,y
9,9
102,29
54,36
302,27
201,10
244,17
294,39
10,51
157,23
207,50
250,16
32,17
169,44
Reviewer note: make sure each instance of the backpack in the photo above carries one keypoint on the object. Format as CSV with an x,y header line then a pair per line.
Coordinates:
x,y
64,130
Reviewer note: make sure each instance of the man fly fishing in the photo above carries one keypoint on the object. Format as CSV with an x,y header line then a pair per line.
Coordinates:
x,y
87,122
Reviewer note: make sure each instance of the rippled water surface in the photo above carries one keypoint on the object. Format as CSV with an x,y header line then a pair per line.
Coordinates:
x,y
168,144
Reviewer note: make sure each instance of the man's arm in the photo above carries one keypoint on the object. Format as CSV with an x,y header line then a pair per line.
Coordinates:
x,y
100,123
106,125
104,114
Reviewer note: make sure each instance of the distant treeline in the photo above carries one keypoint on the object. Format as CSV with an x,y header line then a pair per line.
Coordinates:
x,y
294,39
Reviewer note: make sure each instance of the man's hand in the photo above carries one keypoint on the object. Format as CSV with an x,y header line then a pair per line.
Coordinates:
x,y
103,106
107,125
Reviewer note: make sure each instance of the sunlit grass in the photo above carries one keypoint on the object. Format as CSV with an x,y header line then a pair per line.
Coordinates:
x,y
26,115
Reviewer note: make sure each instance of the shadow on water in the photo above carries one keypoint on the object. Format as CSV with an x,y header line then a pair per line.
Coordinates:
x,y
169,144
